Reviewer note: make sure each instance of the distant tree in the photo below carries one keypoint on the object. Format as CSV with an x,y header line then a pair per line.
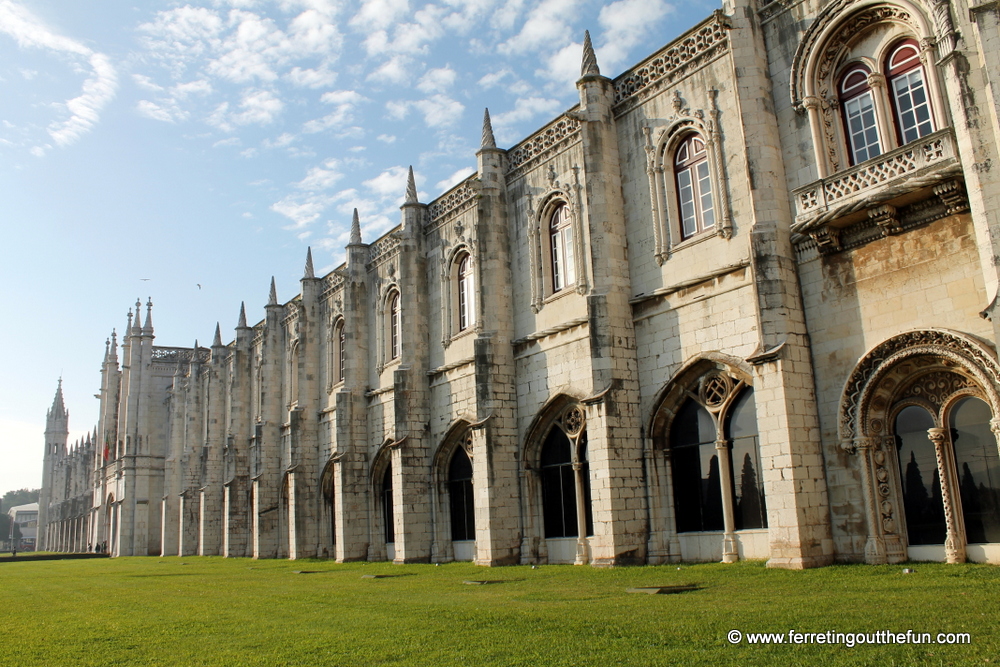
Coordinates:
x,y
20,497
4,526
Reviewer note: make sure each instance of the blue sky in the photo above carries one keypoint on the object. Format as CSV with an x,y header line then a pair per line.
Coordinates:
x,y
189,151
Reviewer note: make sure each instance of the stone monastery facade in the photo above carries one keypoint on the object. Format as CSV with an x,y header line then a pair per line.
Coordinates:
x,y
737,303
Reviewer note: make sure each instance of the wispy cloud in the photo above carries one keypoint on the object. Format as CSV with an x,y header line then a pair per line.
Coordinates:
x,y
98,89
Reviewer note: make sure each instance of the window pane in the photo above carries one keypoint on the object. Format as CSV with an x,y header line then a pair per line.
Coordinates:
x,y
978,466
387,517
685,193
557,283
912,110
695,470
569,265
748,483
921,484
558,486
705,191
861,124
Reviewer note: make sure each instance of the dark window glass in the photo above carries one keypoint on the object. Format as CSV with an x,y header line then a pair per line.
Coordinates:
x,y
387,519
748,485
922,502
978,466
695,470
558,486
463,524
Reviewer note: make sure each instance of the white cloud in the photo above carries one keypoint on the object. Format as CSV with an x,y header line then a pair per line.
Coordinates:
x,y
146,83
98,89
545,29
622,31
437,80
166,114
395,71
280,141
391,183
322,177
375,14
454,179
386,138
563,66
231,141
344,103
508,125
311,78
440,110
199,87
259,108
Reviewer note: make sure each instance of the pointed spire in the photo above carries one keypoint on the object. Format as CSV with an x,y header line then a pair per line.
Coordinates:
x,y
147,328
242,324
309,264
272,299
356,229
589,65
58,405
411,189
113,356
128,327
488,140
107,349
218,336
136,323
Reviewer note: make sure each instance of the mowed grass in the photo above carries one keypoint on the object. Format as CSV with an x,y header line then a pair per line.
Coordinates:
x,y
215,611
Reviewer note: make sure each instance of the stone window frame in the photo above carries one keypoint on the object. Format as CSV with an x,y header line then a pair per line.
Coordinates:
x,y
690,382
450,293
661,147
384,330
689,164
825,52
382,464
568,414
459,435
539,249
336,368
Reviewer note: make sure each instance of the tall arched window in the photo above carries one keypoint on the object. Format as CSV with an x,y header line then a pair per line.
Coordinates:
x,y
858,105
563,477
694,186
977,463
715,461
463,523
340,350
394,330
466,293
908,92
919,477
561,247
695,465
388,526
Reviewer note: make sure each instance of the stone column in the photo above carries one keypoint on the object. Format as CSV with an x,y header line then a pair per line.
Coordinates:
x,y
954,543
730,552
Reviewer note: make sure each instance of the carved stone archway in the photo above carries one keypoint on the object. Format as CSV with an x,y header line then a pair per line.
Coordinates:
x,y
930,368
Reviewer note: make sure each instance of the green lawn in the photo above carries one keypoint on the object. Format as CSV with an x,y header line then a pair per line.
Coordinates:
x,y
214,611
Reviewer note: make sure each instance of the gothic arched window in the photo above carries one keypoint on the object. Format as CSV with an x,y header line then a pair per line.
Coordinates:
x,y
463,523
562,480
394,325
694,186
860,121
466,293
563,267
340,351
908,92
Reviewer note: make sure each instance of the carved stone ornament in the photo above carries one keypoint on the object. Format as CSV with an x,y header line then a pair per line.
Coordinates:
x,y
970,358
